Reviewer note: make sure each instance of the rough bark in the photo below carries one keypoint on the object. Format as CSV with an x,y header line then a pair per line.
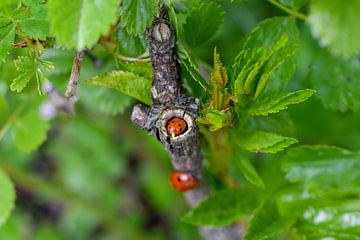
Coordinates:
x,y
169,101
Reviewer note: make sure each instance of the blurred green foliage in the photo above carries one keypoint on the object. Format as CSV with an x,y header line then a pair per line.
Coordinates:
x,y
279,92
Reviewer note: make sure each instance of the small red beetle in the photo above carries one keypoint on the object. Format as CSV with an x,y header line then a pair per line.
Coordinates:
x,y
182,181
176,126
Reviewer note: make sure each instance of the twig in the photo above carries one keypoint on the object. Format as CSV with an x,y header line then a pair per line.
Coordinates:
x,y
74,77
57,100
290,11
20,45
64,103
169,101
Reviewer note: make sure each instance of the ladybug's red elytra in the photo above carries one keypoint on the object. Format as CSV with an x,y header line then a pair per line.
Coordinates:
x,y
176,126
183,181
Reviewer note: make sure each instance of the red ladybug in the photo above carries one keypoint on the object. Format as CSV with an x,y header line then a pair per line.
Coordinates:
x,y
176,126
182,181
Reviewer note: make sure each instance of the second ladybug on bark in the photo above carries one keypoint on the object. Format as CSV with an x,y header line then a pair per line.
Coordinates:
x,y
183,181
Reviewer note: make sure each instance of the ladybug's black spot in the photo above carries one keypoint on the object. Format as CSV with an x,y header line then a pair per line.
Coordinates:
x,y
179,179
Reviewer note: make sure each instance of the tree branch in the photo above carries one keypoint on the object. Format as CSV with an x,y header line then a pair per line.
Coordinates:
x,y
74,77
169,101
57,101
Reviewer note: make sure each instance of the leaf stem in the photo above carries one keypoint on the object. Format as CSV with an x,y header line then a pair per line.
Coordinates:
x,y
290,11
111,49
132,59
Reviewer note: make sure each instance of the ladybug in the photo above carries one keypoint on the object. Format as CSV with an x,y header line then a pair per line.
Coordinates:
x,y
183,181
176,126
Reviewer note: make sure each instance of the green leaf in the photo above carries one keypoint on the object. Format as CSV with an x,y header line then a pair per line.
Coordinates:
x,y
35,26
265,142
32,4
279,103
222,208
337,222
24,63
173,19
336,25
38,8
40,79
136,15
130,45
4,3
20,82
192,68
249,171
142,69
267,59
252,84
337,82
7,36
202,23
7,197
279,58
220,98
294,3
30,131
325,213
79,23
195,75
244,63
26,66
110,101
126,82
268,32
323,167
266,222
216,119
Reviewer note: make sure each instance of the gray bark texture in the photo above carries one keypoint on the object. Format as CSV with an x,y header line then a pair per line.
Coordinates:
x,y
169,101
